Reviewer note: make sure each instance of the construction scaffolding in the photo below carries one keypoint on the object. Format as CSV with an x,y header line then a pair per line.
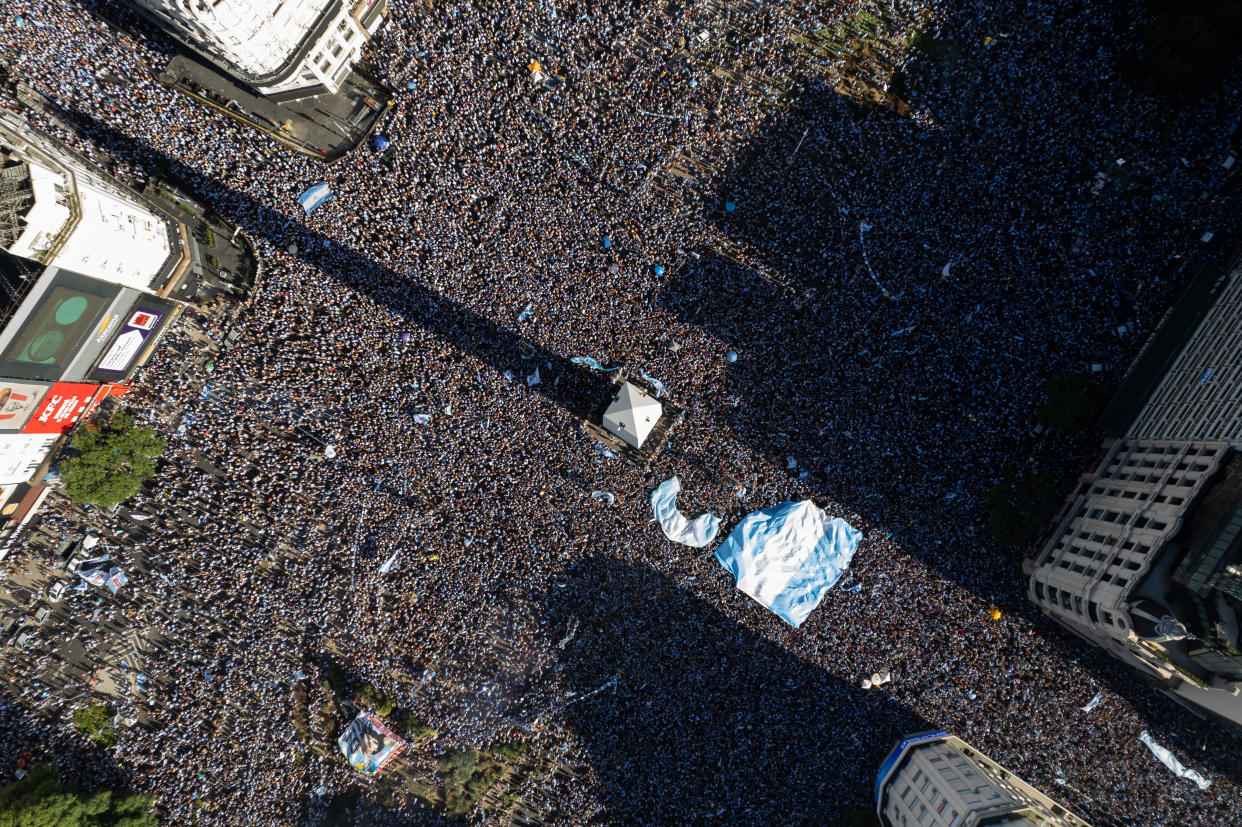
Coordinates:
x,y
16,199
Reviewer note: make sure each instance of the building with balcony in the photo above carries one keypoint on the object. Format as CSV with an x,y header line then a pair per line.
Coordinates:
x,y
933,779
284,49
1145,558
288,68
90,271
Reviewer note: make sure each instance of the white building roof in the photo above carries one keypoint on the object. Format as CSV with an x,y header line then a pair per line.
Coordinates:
x,y
632,415
47,216
117,241
256,35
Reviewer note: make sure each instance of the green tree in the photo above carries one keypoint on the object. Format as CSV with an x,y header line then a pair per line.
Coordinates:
x,y
109,460
418,728
95,722
42,800
1074,401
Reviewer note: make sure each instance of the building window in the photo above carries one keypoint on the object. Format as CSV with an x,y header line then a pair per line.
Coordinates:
x,y
1077,604
1039,590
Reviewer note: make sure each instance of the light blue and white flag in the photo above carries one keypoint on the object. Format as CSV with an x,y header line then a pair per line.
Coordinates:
x,y
314,197
660,389
1170,760
1093,703
787,556
387,567
697,532
116,579
592,364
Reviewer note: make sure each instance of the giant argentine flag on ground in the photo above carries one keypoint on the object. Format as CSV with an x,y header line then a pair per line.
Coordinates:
x,y
787,556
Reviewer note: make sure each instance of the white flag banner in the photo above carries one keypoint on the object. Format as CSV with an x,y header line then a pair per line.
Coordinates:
x,y
1093,703
387,567
697,532
1169,760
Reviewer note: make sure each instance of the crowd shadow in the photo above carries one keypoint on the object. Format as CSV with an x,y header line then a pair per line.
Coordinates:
x,y
710,723
575,389
26,738
891,383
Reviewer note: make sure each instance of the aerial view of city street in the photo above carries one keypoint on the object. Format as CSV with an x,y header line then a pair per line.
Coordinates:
x,y
612,412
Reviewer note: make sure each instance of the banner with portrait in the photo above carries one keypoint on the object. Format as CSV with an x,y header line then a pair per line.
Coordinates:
x,y
368,745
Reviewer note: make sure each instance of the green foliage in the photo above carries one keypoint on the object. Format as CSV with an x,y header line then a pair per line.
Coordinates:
x,y
109,460
458,766
95,722
1022,505
1188,46
418,728
468,775
922,41
1074,401
510,750
41,800
376,699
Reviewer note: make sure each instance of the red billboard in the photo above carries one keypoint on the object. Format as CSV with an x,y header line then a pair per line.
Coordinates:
x,y
60,408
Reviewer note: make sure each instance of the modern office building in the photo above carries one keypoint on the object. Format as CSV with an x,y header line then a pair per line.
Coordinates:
x,y
933,779
1145,559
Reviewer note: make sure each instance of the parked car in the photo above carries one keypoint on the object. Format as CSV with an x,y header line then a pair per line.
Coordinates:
x,y
25,639
41,616
56,592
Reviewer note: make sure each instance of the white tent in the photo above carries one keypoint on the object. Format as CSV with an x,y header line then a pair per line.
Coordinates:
x,y
632,415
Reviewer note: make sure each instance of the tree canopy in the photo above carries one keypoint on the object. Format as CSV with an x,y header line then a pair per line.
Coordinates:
x,y
109,460
96,723
42,800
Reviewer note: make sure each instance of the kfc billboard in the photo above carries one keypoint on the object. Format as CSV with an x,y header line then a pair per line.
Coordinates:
x,y
61,408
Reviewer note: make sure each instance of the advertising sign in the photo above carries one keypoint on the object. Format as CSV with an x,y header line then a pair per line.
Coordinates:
x,y
368,745
61,408
18,401
69,312
141,325
21,455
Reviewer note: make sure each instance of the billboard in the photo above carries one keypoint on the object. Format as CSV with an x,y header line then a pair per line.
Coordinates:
x,y
368,745
71,310
141,325
18,401
21,455
61,408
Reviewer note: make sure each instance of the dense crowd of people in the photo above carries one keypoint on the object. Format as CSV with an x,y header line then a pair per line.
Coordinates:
x,y
868,323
